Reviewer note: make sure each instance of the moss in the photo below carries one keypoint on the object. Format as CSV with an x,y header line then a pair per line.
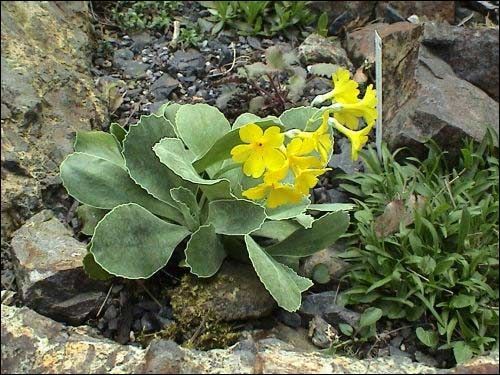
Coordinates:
x,y
197,323
171,332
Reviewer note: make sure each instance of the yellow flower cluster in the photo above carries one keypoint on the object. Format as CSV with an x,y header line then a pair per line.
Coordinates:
x,y
287,171
350,109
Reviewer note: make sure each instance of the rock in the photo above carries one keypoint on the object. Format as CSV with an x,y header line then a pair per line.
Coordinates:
x,y
322,304
462,13
296,337
163,86
8,297
49,91
434,112
343,159
291,319
189,62
321,333
32,343
140,40
134,69
401,43
344,15
472,53
121,55
49,273
431,10
420,91
328,257
234,293
318,49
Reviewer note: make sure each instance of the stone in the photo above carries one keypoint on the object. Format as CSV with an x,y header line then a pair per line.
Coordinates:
x,y
189,62
344,15
443,107
234,293
431,10
296,337
141,40
321,333
163,86
328,257
48,89
323,305
49,273
343,159
32,343
317,49
291,319
421,91
134,69
472,53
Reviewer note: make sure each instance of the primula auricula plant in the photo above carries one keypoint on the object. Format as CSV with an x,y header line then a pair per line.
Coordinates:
x,y
187,174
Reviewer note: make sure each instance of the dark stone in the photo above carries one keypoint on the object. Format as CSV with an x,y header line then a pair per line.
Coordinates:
x,y
343,160
318,49
49,273
432,10
163,86
163,357
141,40
321,333
134,69
111,312
124,325
322,304
389,14
291,319
472,53
343,13
113,324
189,62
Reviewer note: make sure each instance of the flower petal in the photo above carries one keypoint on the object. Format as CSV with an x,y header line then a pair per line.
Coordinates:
x,y
241,153
273,158
254,166
257,192
273,137
250,133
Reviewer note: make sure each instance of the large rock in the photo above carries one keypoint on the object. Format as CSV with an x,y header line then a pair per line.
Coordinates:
x,y
32,343
318,49
49,274
431,10
471,52
47,95
423,98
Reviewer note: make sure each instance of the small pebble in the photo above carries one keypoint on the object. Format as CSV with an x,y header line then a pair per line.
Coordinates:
x,y
111,312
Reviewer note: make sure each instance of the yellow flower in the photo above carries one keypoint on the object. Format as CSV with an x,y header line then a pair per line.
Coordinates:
x,y
345,90
307,179
319,140
358,138
261,152
351,112
277,193
297,158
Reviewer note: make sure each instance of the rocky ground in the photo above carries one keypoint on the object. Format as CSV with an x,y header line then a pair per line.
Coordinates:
x,y
69,69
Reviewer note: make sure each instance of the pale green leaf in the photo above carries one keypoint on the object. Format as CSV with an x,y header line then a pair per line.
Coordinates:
x,y
143,164
100,144
205,252
118,131
305,220
369,317
303,242
236,216
462,352
188,206
288,211
428,338
89,216
278,230
331,207
282,282
99,183
133,243
297,118
323,69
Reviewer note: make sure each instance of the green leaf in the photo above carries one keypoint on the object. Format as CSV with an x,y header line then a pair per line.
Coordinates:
x,y
303,242
278,230
169,111
188,206
323,69
94,270
282,282
379,283
89,216
236,216
460,301
321,273
464,229
428,338
200,126
297,118
99,183
427,265
244,119
100,144
221,150
305,220
205,252
133,243
370,316
172,153
346,329
462,352
288,211
118,131
143,164
331,207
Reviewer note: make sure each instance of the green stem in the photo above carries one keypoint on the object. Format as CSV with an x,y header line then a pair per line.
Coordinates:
x,y
225,169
